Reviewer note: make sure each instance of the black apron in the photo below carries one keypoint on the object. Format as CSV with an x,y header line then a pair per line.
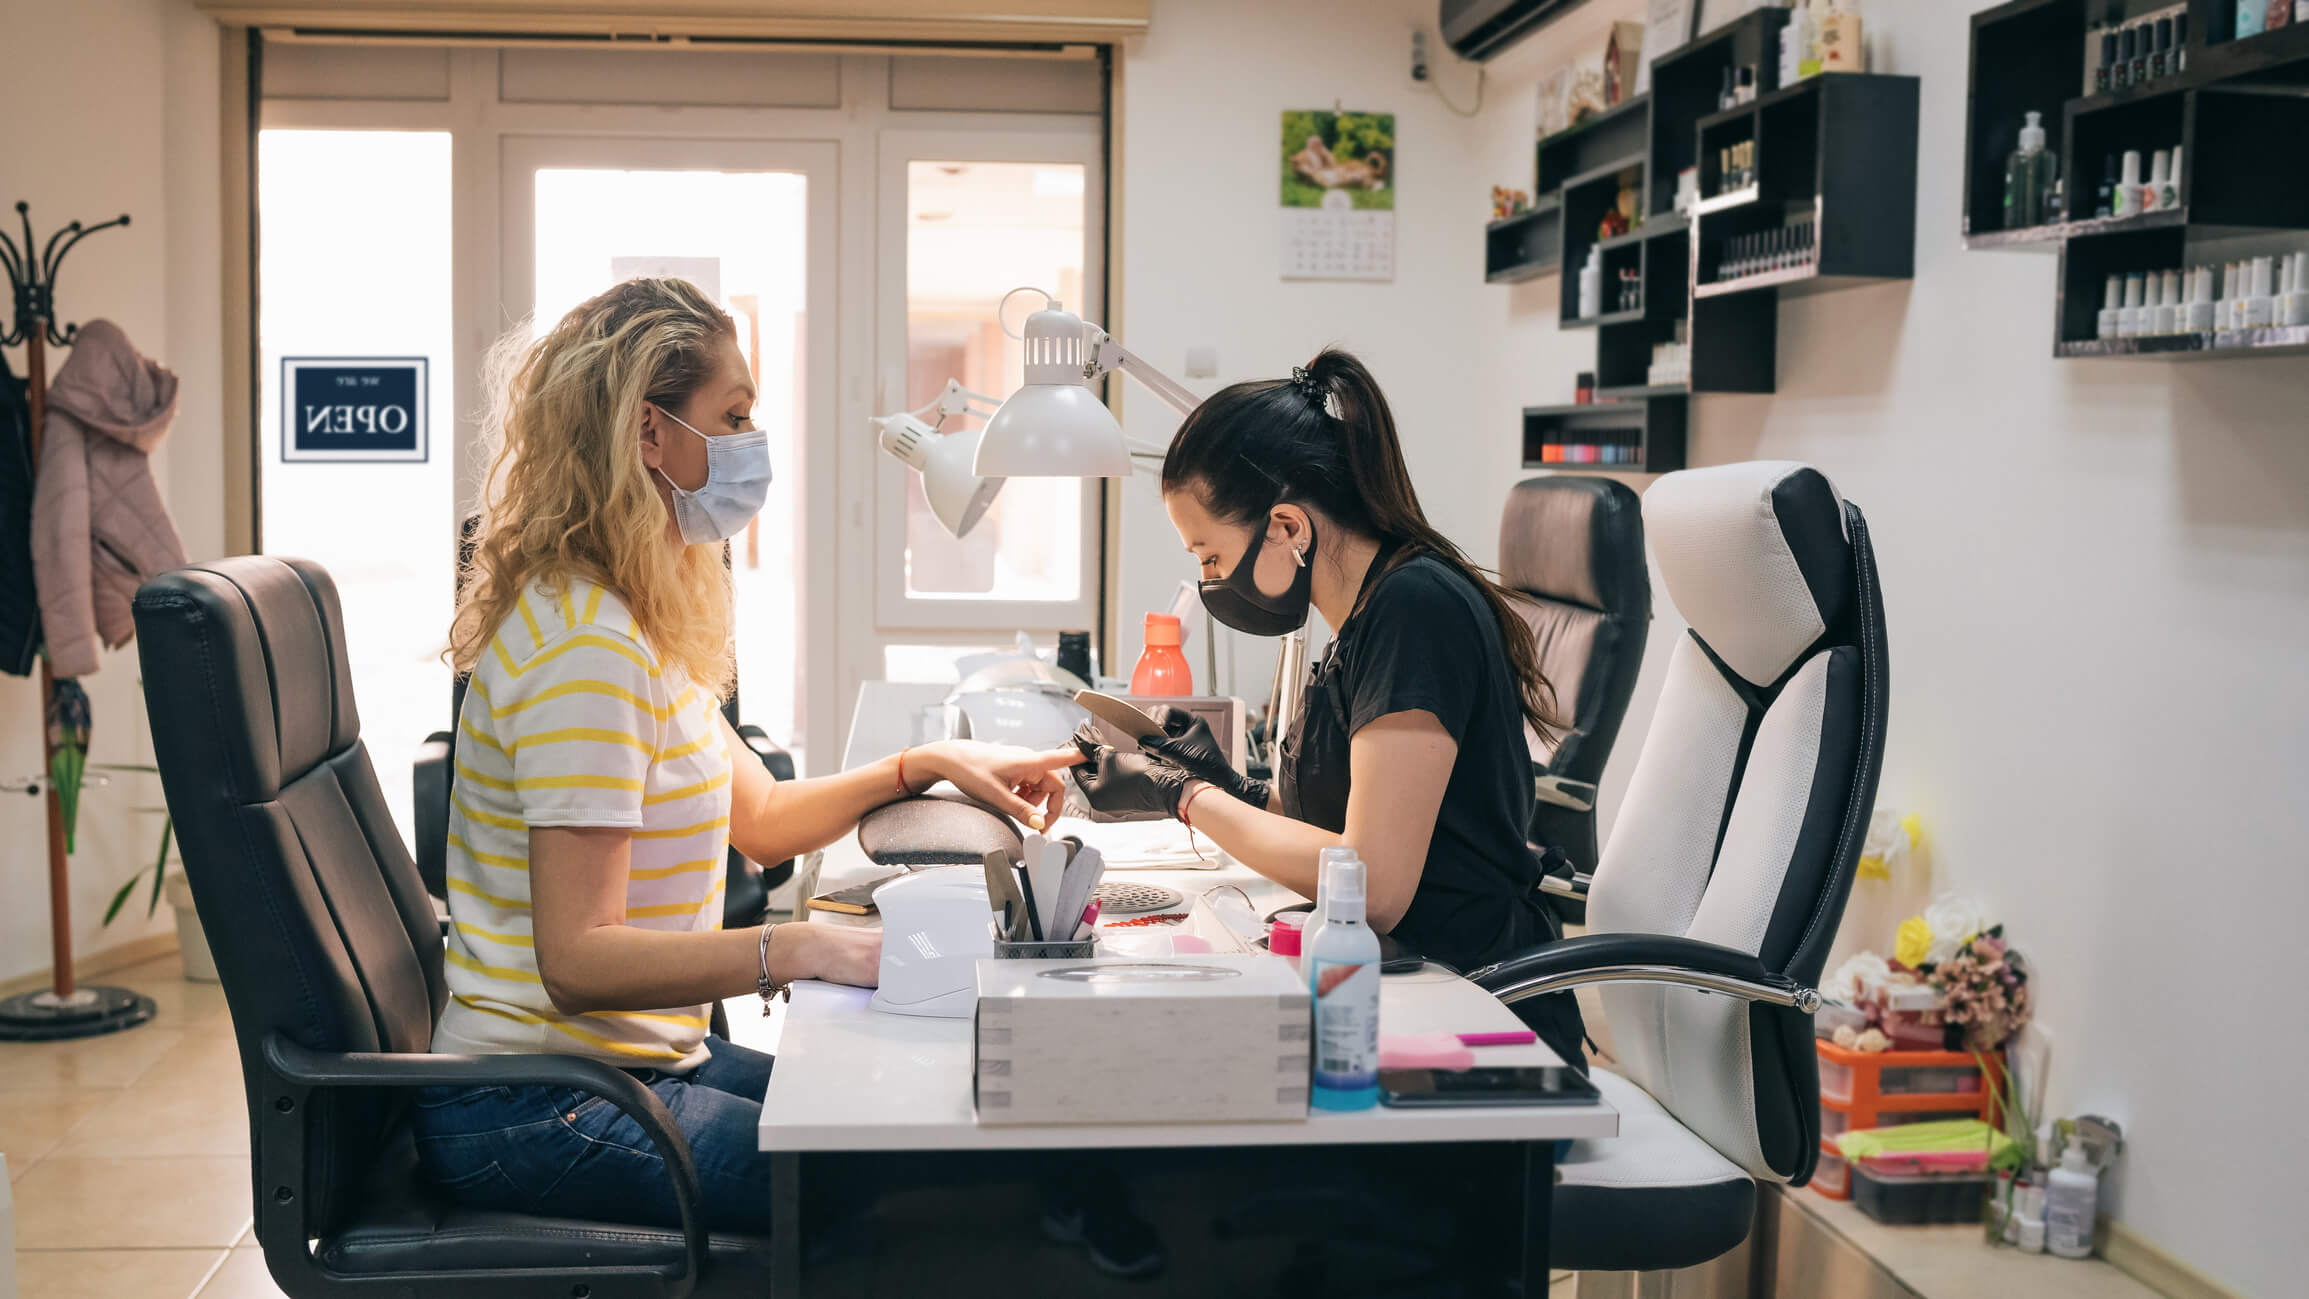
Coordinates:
x,y
1312,783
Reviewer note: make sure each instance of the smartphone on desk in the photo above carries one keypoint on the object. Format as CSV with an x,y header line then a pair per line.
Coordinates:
x,y
1527,1085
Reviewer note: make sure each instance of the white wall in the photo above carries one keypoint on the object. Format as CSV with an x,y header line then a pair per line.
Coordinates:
x,y
1202,103
132,83
2097,573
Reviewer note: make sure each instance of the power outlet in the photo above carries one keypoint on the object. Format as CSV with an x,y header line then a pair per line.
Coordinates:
x,y
1418,54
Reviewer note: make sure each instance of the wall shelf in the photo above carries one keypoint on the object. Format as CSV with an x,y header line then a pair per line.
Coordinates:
x,y
2224,111
1835,154
2279,340
1524,246
1647,433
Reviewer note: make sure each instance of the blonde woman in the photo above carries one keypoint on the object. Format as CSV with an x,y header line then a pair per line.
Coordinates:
x,y
597,789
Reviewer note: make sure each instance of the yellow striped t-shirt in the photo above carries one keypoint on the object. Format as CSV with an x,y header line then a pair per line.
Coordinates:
x,y
570,720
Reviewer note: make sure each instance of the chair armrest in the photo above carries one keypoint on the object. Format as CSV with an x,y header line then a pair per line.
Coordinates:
x,y
773,756
1578,795
304,1069
1642,958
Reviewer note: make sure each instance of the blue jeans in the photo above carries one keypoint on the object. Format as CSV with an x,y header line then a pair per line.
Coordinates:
x,y
570,1154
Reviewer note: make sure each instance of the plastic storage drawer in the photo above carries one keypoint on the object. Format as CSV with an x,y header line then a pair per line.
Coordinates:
x,y
1833,1177
1915,1198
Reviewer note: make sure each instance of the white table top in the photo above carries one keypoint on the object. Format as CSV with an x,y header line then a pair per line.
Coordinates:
x,y
852,1078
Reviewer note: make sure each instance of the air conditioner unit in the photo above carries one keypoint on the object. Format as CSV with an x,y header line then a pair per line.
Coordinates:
x,y
1481,29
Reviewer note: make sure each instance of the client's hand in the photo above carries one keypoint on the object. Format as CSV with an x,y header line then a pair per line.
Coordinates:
x,y
1019,783
836,953
1191,745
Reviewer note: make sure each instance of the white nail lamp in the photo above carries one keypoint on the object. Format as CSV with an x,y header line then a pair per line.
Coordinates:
x,y
1055,426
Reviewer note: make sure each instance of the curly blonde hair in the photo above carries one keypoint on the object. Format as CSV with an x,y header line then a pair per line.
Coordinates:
x,y
567,493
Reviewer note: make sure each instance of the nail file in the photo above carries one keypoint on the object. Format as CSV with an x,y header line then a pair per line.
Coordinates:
x,y
1002,891
1082,875
1121,714
1045,880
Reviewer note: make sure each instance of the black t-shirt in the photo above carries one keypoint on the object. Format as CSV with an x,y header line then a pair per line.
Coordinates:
x,y
1426,640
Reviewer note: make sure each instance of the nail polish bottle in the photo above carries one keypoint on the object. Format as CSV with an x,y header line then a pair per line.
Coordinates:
x,y
2160,180
2297,298
2142,52
2280,15
2171,198
2112,308
2104,201
2106,66
2161,62
2135,294
2260,309
2252,17
2181,41
2201,300
2127,42
2128,200
2169,304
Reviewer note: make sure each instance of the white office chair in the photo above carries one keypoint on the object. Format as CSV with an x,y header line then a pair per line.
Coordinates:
x,y
1725,876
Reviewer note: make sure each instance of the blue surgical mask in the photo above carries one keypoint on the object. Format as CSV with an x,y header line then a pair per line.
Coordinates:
x,y
737,482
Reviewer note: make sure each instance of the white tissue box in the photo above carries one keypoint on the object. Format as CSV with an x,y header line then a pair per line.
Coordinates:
x,y
1195,1039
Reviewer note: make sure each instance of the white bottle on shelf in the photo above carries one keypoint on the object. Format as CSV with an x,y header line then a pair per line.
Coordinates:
x,y
2160,179
2297,298
2169,304
2201,300
2129,325
2071,1203
2112,308
2260,309
1591,285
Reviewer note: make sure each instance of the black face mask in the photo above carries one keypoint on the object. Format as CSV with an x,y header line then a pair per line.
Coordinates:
x,y
1236,601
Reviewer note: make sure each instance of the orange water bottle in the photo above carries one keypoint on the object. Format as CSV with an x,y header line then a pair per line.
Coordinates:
x,y
1162,668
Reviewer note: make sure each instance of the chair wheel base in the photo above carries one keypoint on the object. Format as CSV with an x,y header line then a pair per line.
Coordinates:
x,y
88,1012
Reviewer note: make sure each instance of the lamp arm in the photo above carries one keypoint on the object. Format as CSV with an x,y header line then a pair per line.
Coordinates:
x,y
1112,356
958,400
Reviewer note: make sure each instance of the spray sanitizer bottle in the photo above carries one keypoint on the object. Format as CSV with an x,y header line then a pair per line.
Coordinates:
x,y
1342,964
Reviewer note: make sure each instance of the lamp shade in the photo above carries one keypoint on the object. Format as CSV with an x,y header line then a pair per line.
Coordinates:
x,y
1053,431
958,497
1054,426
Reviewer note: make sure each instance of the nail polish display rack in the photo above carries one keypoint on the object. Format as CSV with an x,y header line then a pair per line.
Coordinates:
x,y
2233,106
1839,146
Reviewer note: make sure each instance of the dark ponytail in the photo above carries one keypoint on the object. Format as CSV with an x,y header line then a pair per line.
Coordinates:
x,y
1324,437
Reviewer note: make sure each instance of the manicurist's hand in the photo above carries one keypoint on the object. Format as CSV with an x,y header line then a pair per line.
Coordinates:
x,y
1020,783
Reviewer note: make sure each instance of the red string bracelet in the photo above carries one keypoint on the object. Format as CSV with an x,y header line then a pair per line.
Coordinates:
x,y
903,790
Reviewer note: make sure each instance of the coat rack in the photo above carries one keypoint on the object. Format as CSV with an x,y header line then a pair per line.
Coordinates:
x,y
64,1010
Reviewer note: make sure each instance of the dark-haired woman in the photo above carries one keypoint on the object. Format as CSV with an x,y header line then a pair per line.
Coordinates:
x,y
1409,743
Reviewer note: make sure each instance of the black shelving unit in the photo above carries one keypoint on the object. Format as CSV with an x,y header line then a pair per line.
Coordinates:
x,y
1841,148
2238,110
1648,430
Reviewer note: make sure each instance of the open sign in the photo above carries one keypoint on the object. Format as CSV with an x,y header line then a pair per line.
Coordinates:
x,y
359,409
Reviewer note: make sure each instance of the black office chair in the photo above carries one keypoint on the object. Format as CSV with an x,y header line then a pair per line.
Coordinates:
x,y
746,896
1727,871
1573,547
330,957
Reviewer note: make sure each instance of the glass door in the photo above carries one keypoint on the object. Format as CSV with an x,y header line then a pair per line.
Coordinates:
x,y
356,387
751,223
965,217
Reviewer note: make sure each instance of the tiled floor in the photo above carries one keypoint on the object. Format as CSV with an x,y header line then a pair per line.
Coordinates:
x,y
128,1155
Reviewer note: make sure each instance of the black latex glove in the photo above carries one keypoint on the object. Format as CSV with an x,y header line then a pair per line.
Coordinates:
x,y
1122,786
1191,745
